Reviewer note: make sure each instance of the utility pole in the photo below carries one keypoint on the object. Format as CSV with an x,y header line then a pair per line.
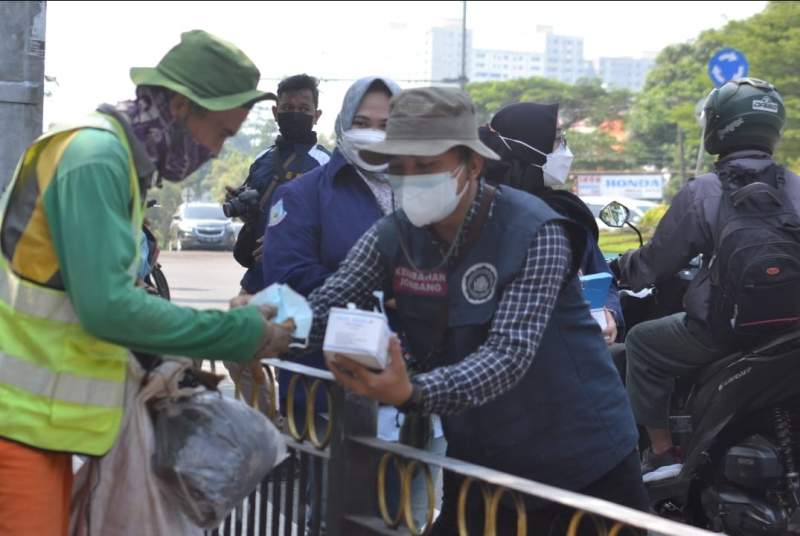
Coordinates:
x,y
463,78
682,153
21,80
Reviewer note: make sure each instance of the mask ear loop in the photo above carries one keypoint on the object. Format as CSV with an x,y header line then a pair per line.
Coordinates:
x,y
516,173
504,140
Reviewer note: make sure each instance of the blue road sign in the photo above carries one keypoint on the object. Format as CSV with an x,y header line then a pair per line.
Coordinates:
x,y
726,65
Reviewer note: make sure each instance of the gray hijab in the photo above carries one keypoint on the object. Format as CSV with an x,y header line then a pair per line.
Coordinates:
x,y
344,121
353,98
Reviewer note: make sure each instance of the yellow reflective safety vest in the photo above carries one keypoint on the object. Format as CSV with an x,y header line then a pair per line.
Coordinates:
x,y
61,388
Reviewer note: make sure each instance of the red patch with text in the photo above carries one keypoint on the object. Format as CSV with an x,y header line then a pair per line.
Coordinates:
x,y
419,282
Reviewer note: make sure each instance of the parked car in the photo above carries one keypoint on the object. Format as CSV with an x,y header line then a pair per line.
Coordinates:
x,y
203,226
637,207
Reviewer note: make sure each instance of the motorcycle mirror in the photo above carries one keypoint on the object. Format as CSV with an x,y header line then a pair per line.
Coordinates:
x,y
615,214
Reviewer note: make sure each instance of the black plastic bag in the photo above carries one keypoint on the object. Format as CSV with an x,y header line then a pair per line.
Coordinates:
x,y
211,452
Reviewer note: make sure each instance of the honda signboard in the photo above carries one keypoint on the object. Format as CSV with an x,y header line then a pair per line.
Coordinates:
x,y
644,186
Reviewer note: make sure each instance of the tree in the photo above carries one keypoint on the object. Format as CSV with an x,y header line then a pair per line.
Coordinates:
x,y
327,140
584,101
230,170
771,41
596,151
169,197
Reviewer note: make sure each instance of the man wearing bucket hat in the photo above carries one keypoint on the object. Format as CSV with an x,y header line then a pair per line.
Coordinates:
x,y
69,311
484,281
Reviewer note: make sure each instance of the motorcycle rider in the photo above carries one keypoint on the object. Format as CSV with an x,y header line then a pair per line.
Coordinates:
x,y
744,123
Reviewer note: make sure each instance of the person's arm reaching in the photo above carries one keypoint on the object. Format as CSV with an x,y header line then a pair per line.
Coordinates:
x,y
88,210
677,240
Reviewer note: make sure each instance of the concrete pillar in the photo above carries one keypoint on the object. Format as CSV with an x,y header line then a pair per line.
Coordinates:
x,y
22,40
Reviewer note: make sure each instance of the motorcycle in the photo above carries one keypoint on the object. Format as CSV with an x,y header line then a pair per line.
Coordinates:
x,y
737,423
155,280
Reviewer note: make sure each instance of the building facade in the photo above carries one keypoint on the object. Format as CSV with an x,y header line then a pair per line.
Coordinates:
x,y
552,56
624,73
444,53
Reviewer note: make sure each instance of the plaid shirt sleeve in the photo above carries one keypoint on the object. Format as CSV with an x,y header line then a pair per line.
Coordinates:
x,y
519,323
360,274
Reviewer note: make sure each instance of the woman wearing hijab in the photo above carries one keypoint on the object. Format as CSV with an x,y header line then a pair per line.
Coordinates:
x,y
535,158
316,218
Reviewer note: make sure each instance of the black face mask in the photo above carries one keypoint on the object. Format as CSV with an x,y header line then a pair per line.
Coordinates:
x,y
295,126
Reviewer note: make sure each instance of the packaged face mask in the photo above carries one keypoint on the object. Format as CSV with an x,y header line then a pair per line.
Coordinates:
x,y
289,304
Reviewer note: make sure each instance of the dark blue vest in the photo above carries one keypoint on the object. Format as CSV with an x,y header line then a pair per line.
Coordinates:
x,y
568,421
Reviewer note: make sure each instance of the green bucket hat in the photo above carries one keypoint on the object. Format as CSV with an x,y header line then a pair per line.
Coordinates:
x,y
208,71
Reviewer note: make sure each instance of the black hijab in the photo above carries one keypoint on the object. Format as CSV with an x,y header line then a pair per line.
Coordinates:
x,y
536,125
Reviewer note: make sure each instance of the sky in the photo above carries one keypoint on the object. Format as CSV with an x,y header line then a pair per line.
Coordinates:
x,y
92,45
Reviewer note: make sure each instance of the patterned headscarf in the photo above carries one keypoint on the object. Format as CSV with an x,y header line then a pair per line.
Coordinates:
x,y
169,144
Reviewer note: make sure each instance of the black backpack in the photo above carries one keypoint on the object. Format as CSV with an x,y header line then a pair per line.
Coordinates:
x,y
755,267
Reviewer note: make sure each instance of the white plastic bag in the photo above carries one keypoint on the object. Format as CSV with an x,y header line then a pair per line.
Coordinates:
x,y
118,494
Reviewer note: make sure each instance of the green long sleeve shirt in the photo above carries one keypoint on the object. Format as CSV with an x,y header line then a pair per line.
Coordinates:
x,y
88,211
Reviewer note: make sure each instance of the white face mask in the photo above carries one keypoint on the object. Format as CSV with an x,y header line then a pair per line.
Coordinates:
x,y
353,140
556,168
430,198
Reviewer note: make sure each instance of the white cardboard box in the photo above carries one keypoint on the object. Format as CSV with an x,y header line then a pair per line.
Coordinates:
x,y
363,336
600,317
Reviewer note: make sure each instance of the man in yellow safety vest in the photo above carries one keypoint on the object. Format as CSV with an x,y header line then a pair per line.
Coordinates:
x,y
69,310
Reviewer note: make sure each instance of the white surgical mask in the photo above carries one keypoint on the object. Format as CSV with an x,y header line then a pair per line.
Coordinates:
x,y
353,140
289,304
556,169
430,198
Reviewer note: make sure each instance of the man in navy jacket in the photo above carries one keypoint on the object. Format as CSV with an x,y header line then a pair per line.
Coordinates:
x,y
295,152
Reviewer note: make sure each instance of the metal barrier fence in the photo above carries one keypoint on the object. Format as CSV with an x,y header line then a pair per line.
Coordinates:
x,y
339,465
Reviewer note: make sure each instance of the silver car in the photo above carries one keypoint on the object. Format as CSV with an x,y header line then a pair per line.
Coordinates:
x,y
202,226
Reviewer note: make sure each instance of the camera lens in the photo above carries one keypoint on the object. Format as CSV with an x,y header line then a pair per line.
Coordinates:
x,y
230,209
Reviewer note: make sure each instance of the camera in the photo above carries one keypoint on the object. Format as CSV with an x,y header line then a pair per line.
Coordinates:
x,y
243,203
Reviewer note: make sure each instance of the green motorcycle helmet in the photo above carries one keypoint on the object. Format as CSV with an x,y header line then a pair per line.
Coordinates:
x,y
743,114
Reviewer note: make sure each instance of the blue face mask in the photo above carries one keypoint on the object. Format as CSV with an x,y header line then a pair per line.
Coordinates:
x,y
289,304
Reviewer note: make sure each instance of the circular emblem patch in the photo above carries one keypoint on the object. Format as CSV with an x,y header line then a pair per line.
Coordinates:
x,y
479,283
